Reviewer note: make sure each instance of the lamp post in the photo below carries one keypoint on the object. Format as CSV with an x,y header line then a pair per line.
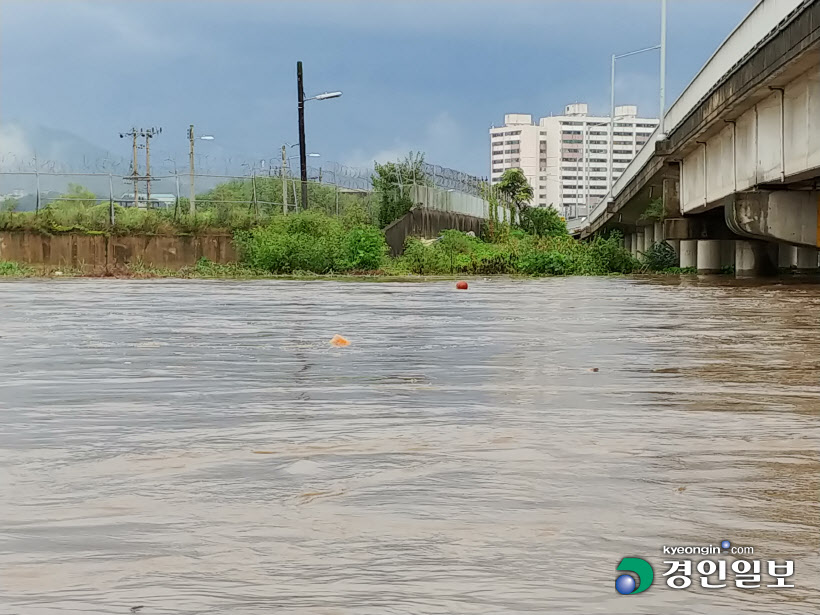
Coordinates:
x,y
661,92
301,106
304,167
612,109
662,102
192,138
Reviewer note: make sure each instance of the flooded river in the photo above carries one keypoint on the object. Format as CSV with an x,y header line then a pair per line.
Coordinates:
x,y
198,447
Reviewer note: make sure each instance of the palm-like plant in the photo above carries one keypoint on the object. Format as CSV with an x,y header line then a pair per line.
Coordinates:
x,y
516,190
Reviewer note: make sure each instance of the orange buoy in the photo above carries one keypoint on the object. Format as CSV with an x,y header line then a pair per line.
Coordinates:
x,y
462,285
338,340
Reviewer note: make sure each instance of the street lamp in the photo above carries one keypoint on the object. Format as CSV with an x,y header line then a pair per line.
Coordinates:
x,y
612,109
301,106
662,89
585,151
192,138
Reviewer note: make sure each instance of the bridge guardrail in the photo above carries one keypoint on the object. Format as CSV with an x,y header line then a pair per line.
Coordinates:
x,y
757,24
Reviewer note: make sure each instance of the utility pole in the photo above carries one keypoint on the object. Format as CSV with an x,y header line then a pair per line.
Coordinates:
x,y
302,151
284,182
148,134
192,198
134,168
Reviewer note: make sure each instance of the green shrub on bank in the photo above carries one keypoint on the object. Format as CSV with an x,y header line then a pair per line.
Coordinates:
x,y
8,268
518,252
311,242
660,257
542,222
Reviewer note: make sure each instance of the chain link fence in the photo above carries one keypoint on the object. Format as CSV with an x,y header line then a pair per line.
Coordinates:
x,y
31,185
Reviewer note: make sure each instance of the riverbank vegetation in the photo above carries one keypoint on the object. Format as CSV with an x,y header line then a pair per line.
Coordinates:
x,y
231,206
342,233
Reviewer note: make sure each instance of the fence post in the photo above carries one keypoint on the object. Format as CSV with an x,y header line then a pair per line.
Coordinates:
x,y
37,182
111,199
176,203
336,185
255,202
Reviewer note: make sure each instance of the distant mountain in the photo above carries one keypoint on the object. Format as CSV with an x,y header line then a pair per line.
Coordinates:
x,y
59,151
55,148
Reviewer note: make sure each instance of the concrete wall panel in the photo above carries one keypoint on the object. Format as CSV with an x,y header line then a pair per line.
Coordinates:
x,y
720,173
768,138
796,133
746,149
98,252
813,119
692,181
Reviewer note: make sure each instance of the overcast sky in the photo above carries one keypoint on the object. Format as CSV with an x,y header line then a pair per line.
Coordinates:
x,y
420,75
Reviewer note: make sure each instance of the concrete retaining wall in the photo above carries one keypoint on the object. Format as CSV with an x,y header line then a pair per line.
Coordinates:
x,y
427,223
100,252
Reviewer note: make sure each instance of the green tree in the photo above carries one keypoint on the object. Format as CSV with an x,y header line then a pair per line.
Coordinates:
x,y
393,182
77,196
542,222
516,190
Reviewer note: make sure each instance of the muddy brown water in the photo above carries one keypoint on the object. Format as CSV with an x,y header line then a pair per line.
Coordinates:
x,y
199,447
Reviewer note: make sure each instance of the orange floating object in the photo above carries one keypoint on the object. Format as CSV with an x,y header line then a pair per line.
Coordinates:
x,y
338,340
462,285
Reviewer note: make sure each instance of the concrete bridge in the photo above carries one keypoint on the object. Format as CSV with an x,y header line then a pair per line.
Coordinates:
x,y
736,160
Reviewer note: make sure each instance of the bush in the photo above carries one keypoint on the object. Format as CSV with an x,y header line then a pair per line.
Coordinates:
x,y
545,263
8,268
393,208
542,222
455,252
311,242
365,248
660,256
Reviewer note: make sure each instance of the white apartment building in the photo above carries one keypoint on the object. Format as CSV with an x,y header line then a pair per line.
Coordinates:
x,y
566,157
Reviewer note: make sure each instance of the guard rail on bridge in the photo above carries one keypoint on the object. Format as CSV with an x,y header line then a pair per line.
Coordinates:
x,y
755,28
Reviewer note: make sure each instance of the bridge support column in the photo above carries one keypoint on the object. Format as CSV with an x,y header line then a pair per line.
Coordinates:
x,y
727,253
628,242
786,256
671,198
641,245
805,260
675,243
708,255
753,258
648,236
688,253
658,232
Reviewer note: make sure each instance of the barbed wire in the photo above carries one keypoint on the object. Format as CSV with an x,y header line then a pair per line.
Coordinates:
x,y
333,173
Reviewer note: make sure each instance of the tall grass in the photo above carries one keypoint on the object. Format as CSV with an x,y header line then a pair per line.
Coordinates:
x,y
516,252
312,242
